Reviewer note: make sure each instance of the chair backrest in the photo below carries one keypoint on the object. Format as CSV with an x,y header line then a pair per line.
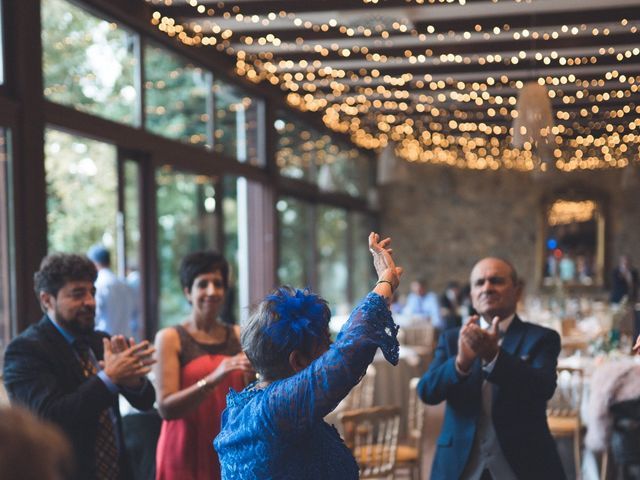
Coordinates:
x,y
567,398
415,419
372,436
422,335
568,326
361,396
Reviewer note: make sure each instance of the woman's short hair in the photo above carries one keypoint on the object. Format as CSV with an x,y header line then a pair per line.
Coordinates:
x,y
284,321
204,261
58,269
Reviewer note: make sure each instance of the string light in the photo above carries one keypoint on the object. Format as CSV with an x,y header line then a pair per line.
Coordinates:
x,y
459,119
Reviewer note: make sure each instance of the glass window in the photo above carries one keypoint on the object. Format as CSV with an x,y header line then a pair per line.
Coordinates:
x,y
186,205
5,271
294,219
295,149
237,124
332,258
131,236
307,154
131,215
82,200
342,168
176,97
88,63
230,209
362,273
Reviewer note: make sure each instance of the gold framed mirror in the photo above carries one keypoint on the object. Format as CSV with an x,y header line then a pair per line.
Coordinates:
x,y
573,242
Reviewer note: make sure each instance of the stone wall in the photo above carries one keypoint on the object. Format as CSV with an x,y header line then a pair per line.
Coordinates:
x,y
443,219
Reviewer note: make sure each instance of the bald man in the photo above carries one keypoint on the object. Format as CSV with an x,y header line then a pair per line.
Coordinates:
x,y
496,374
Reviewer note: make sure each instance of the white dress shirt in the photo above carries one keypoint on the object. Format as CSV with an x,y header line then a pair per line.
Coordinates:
x,y
486,453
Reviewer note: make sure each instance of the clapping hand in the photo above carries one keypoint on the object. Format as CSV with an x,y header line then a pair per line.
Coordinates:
x,y
475,342
127,362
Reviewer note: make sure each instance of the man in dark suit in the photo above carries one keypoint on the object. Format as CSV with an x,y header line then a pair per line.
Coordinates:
x,y
64,371
496,374
624,282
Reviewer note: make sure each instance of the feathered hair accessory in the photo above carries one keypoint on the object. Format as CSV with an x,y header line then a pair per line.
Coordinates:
x,y
300,316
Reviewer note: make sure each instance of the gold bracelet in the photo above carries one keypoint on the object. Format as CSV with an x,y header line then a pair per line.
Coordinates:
x,y
385,281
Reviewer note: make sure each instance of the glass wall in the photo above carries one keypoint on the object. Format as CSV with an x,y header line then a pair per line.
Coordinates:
x,y
237,124
295,243
305,153
362,274
295,149
333,269
130,233
176,97
5,269
89,63
230,212
82,198
116,71
186,205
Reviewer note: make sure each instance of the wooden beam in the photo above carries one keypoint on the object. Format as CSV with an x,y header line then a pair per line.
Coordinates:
x,y
25,82
184,156
563,45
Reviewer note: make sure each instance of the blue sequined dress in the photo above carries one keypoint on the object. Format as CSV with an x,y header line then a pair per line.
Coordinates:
x,y
279,433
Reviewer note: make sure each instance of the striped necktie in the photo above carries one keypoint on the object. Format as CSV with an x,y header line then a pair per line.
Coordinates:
x,y
106,450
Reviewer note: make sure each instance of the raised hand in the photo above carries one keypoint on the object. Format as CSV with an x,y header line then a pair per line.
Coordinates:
x,y
636,347
383,261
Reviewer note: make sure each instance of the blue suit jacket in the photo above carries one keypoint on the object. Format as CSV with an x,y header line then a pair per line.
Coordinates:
x,y
523,378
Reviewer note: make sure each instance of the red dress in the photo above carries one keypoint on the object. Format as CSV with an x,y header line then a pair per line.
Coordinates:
x,y
185,447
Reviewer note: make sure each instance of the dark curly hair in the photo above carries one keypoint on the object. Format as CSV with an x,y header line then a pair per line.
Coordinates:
x,y
60,268
204,261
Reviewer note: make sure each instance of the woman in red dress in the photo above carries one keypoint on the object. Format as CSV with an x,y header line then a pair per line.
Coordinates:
x,y
198,361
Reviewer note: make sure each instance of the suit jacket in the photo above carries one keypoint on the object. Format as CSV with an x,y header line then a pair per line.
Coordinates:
x,y
42,373
620,287
523,378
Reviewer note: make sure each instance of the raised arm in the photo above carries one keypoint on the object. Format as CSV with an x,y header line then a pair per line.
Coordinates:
x,y
295,403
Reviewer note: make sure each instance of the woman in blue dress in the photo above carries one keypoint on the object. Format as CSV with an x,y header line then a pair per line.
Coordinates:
x,y
274,429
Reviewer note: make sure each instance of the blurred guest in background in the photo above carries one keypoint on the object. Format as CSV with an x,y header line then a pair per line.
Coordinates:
x,y
396,304
134,283
115,300
423,303
584,270
450,306
199,360
624,282
624,287
567,268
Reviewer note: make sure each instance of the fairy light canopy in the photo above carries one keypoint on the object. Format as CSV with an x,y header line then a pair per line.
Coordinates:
x,y
440,79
